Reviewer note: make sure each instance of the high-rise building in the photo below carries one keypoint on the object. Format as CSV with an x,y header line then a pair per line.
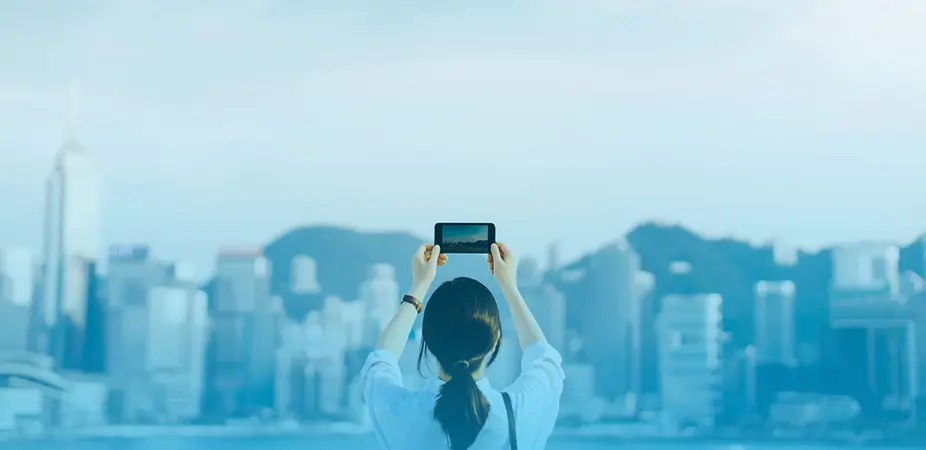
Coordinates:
x,y
17,283
298,383
131,276
94,352
641,324
177,332
690,358
71,243
774,322
244,335
877,365
303,279
865,269
378,295
607,321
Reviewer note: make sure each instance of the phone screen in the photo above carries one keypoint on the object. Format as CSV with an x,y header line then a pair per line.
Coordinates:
x,y
464,237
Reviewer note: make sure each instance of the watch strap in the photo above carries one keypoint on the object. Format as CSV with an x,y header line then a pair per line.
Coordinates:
x,y
411,300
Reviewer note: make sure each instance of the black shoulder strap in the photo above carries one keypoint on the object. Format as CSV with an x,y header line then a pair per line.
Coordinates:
x,y
512,430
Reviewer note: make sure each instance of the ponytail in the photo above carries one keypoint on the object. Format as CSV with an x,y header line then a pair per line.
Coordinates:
x,y
461,408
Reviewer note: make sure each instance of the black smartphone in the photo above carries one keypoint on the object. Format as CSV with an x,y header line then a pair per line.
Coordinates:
x,y
462,237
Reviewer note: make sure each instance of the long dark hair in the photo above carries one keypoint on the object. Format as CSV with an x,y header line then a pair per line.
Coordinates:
x,y
461,326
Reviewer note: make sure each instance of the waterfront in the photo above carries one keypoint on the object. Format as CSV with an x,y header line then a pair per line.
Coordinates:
x,y
368,442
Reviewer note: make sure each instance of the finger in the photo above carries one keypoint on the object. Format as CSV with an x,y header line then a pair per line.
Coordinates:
x,y
497,253
419,254
435,255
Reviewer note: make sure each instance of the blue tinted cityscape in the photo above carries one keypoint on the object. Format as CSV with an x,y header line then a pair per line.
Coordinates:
x,y
714,203
665,334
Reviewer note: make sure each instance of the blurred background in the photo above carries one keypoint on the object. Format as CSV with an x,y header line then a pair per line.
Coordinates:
x,y
207,212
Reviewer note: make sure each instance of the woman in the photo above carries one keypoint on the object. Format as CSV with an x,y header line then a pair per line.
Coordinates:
x,y
462,330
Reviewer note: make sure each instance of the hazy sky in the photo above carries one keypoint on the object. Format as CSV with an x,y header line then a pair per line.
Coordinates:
x,y
222,122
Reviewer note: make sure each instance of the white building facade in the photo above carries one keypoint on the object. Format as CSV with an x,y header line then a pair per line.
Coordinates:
x,y
690,337
871,267
178,327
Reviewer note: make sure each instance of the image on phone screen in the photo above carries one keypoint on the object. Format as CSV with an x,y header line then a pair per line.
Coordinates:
x,y
464,237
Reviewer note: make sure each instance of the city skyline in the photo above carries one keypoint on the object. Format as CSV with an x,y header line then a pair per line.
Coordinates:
x,y
795,122
465,233
211,209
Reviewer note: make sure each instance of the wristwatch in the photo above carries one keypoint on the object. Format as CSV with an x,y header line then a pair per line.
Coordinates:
x,y
413,301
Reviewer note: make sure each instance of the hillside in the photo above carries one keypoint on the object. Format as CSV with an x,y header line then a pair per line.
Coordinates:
x,y
725,266
343,258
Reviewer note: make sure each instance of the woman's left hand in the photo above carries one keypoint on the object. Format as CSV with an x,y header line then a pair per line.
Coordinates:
x,y
424,265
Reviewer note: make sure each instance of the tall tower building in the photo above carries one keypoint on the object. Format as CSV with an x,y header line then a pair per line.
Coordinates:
x,y
378,294
774,322
71,243
244,336
607,321
131,277
690,353
177,332
641,324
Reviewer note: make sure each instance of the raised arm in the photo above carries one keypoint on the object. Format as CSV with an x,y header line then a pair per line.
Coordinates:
x,y
504,264
540,384
424,269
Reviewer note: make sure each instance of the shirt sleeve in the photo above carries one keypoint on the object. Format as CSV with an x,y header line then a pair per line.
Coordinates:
x,y
542,374
379,376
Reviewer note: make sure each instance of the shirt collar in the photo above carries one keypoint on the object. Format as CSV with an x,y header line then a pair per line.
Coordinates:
x,y
435,383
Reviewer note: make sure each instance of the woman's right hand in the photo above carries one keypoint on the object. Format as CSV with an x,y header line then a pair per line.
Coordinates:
x,y
503,263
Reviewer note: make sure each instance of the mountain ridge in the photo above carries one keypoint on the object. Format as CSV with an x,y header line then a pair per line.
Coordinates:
x,y
723,265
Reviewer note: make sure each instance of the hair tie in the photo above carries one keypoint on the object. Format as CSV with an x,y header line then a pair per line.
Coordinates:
x,y
461,366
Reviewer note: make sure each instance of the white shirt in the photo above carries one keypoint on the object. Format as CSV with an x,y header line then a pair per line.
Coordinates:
x,y
403,419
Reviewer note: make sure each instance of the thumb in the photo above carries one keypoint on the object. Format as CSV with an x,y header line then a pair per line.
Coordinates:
x,y
435,255
497,254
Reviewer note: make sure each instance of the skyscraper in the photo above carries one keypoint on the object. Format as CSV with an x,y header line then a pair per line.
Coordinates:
x,y
774,321
690,353
244,336
641,324
607,322
131,277
71,243
177,332
378,294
